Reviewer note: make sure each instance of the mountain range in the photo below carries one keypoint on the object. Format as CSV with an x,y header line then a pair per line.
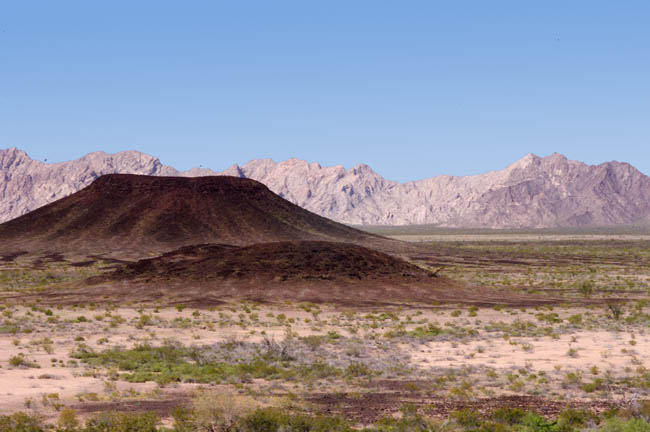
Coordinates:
x,y
535,192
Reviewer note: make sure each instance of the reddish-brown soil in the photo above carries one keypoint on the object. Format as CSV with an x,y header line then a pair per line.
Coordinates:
x,y
158,213
367,408
164,408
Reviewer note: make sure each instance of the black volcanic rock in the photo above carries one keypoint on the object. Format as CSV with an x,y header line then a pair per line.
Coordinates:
x,y
141,212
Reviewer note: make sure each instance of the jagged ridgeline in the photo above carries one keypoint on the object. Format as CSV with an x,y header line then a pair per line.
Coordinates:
x,y
533,192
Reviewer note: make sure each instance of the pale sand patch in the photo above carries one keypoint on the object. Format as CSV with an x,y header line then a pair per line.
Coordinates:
x,y
593,348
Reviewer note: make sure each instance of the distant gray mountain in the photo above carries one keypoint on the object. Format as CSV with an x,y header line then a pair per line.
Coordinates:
x,y
533,192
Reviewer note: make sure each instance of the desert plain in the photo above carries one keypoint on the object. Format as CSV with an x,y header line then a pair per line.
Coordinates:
x,y
552,322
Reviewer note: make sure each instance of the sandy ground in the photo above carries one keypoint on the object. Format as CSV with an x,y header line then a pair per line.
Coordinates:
x,y
589,351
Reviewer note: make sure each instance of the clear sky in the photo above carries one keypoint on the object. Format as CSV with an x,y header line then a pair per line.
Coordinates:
x,y
412,88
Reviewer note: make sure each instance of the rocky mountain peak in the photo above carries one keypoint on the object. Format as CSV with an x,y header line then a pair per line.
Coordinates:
x,y
234,171
534,191
12,157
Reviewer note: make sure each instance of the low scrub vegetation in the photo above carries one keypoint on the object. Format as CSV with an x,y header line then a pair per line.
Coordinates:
x,y
223,413
176,363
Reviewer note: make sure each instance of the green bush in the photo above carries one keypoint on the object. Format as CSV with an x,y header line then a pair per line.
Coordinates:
x,y
536,423
576,417
509,416
170,363
631,425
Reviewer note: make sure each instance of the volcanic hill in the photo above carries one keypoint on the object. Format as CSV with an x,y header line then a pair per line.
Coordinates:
x,y
159,213
303,271
315,271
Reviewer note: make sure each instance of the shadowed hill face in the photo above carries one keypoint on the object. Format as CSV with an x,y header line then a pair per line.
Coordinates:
x,y
142,212
317,271
275,262
312,271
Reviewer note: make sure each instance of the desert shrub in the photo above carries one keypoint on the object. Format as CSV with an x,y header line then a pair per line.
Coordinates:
x,y
169,363
551,317
313,341
615,310
332,335
275,420
430,331
20,422
411,422
68,421
317,370
19,360
575,319
586,288
535,423
593,386
427,331
576,417
629,425
509,416
467,418
356,370
489,426
176,363
643,409
183,419
216,412
122,422
144,320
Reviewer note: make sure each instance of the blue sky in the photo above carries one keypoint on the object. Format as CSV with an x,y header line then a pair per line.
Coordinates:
x,y
412,88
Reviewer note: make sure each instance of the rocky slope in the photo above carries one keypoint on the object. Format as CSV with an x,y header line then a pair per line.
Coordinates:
x,y
312,271
533,192
144,213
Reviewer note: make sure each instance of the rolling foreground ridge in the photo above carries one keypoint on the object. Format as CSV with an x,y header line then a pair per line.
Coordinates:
x,y
270,273
534,192
145,212
315,271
